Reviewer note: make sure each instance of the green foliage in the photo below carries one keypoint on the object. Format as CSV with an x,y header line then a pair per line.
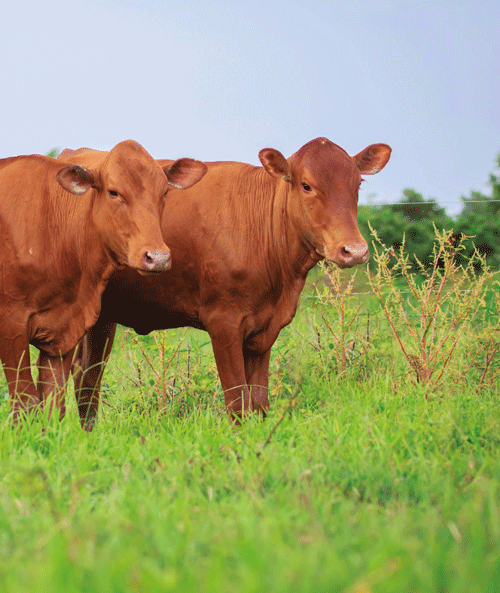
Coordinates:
x,y
481,220
411,221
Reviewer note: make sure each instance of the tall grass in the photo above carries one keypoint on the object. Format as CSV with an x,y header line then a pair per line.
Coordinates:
x,y
357,490
356,482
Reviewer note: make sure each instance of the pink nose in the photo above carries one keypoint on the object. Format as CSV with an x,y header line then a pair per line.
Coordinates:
x,y
156,261
352,254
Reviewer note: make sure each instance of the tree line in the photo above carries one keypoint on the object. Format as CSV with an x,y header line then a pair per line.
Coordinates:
x,y
413,219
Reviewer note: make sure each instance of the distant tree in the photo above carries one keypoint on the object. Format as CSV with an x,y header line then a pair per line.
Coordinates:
x,y
480,219
413,218
54,152
415,208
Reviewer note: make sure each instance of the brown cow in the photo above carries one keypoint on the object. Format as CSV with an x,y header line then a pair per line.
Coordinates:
x,y
63,230
242,241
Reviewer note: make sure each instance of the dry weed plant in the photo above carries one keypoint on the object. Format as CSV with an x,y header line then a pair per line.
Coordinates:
x,y
349,338
437,313
159,361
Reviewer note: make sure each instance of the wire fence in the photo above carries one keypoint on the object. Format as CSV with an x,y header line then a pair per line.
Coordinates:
x,y
454,202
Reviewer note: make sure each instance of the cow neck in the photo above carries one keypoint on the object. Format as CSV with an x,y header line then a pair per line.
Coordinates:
x,y
277,247
93,259
295,255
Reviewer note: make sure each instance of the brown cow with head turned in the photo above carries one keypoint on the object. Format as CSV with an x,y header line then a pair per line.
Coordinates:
x,y
63,230
242,241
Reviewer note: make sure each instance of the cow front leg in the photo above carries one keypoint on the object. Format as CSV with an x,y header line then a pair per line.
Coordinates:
x,y
23,393
228,353
88,368
257,378
53,375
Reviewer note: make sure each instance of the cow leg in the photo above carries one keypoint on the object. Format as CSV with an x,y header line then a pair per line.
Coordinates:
x,y
15,358
228,353
88,368
257,377
53,375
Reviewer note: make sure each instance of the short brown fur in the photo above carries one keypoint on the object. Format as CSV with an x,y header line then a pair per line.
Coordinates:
x,y
243,241
62,235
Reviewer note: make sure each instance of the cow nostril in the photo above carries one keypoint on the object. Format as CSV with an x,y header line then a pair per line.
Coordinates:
x,y
346,253
354,254
156,261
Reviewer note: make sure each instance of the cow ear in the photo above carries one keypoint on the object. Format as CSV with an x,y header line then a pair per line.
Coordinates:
x,y
184,173
75,179
372,159
275,163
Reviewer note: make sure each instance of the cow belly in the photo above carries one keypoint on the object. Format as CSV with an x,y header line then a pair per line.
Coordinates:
x,y
149,311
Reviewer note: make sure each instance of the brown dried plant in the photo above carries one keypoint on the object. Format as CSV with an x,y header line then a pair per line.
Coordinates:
x,y
348,340
431,310
159,366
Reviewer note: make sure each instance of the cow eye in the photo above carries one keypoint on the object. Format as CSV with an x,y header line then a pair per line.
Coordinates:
x,y
306,187
113,194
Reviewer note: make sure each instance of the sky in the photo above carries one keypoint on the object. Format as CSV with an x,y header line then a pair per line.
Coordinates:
x,y
220,80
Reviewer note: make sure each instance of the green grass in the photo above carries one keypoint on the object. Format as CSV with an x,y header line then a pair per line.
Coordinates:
x,y
355,482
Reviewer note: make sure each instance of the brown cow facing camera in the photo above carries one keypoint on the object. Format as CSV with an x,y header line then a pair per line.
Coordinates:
x,y
243,241
64,229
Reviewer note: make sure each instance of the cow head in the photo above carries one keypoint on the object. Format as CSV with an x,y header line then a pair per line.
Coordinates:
x,y
129,190
323,183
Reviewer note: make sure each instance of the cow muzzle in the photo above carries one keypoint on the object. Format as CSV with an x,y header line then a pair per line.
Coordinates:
x,y
155,262
351,254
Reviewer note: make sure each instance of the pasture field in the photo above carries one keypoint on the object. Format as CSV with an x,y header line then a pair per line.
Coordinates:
x,y
361,480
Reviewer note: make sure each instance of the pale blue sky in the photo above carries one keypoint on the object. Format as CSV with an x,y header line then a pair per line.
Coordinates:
x,y
219,80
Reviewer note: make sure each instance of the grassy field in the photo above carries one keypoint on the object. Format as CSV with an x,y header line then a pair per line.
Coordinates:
x,y
360,480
